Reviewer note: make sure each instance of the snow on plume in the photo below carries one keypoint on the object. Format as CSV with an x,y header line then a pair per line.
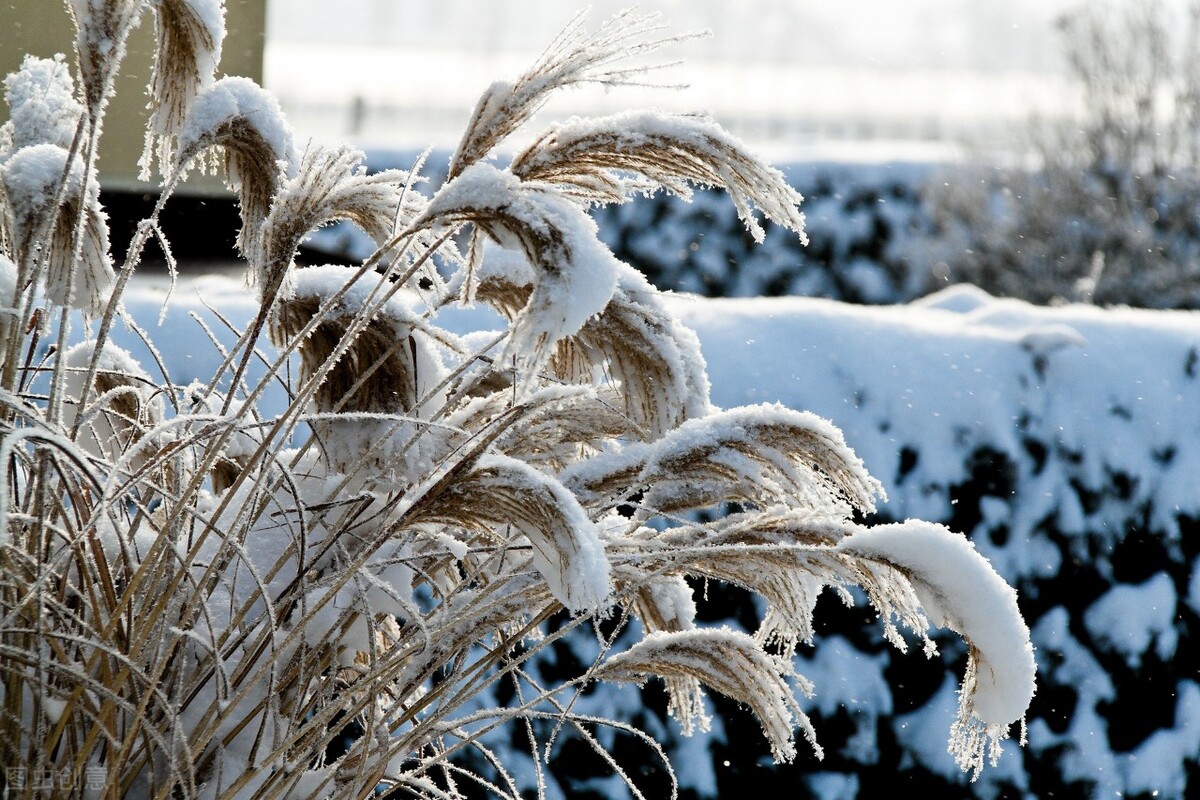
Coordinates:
x,y
636,343
571,560
810,465
565,544
959,590
31,180
242,118
575,275
34,148
41,104
233,101
102,28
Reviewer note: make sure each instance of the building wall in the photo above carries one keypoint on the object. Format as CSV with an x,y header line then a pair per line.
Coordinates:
x,y
43,28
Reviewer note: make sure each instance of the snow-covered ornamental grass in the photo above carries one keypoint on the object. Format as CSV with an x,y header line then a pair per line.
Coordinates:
x,y
200,597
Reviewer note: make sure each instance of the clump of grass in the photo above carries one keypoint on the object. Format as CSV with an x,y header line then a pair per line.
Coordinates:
x,y
197,599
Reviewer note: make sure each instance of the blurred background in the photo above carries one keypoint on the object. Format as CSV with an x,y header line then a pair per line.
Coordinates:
x,y
1041,149
785,75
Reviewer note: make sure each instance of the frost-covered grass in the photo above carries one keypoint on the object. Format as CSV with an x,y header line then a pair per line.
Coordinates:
x,y
1063,440
296,546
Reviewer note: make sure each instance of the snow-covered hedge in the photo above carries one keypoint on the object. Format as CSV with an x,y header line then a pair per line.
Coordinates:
x,y
859,217
892,232
1066,443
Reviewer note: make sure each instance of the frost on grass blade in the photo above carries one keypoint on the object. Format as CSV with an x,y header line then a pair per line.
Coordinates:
x,y
189,37
958,589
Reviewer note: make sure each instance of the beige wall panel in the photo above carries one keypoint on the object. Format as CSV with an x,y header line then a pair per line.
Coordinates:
x,y
43,28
